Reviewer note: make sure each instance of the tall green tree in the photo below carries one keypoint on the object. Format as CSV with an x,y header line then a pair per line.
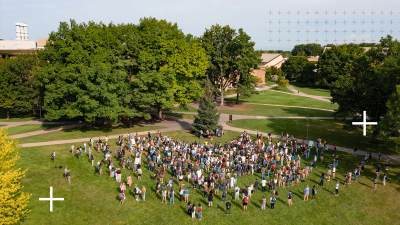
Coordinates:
x,y
312,49
174,61
391,121
83,78
18,95
336,61
13,200
299,69
368,81
231,55
207,114
248,59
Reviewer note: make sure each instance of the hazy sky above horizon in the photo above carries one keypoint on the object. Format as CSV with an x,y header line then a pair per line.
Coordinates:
x,y
271,24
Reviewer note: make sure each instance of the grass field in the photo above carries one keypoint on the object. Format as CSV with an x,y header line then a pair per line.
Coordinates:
x,y
271,97
284,89
85,133
28,128
17,119
266,110
313,90
91,199
188,137
334,132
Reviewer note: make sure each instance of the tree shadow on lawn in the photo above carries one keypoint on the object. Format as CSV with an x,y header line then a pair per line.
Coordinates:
x,y
256,204
234,202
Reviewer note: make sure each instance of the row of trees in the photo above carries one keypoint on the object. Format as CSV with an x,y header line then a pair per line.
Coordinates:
x,y
360,78
102,74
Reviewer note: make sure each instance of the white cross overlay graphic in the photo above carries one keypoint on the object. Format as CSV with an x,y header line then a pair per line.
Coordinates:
x,y
51,199
364,123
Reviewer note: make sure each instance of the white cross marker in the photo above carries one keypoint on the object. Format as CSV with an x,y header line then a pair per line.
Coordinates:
x,y
51,199
364,123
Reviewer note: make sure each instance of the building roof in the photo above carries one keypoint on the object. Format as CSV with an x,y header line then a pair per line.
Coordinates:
x,y
313,58
40,43
17,45
268,57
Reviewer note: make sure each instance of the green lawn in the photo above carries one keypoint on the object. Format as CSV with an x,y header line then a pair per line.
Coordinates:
x,y
188,137
91,199
279,88
313,91
85,133
333,131
17,119
28,128
265,110
271,97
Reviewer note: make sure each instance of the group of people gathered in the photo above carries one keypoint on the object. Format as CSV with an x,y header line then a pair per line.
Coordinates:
x,y
214,169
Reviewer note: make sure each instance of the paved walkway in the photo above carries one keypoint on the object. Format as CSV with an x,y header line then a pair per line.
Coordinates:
x,y
317,97
170,125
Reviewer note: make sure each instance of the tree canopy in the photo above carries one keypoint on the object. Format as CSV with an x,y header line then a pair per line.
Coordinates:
x,y
13,201
231,58
312,49
299,69
17,84
101,73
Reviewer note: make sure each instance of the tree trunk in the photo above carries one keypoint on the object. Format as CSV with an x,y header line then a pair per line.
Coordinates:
x,y
8,114
160,114
222,97
237,98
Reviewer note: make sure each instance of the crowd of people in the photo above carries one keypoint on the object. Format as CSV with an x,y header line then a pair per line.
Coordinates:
x,y
214,169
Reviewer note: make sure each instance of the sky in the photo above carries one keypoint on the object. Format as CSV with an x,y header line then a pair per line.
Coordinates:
x,y
271,24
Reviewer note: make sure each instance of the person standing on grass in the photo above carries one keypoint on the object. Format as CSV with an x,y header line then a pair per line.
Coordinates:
x,y
143,193
334,171
245,202
139,172
263,203
321,180
306,193
272,201
164,195
171,196
53,156
129,181
375,184
194,211
199,212
67,175
210,198
263,184
290,198
313,192
337,188
384,179
91,158
237,193
121,197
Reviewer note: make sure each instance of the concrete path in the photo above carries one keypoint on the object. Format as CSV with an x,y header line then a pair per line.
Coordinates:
x,y
317,97
170,125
